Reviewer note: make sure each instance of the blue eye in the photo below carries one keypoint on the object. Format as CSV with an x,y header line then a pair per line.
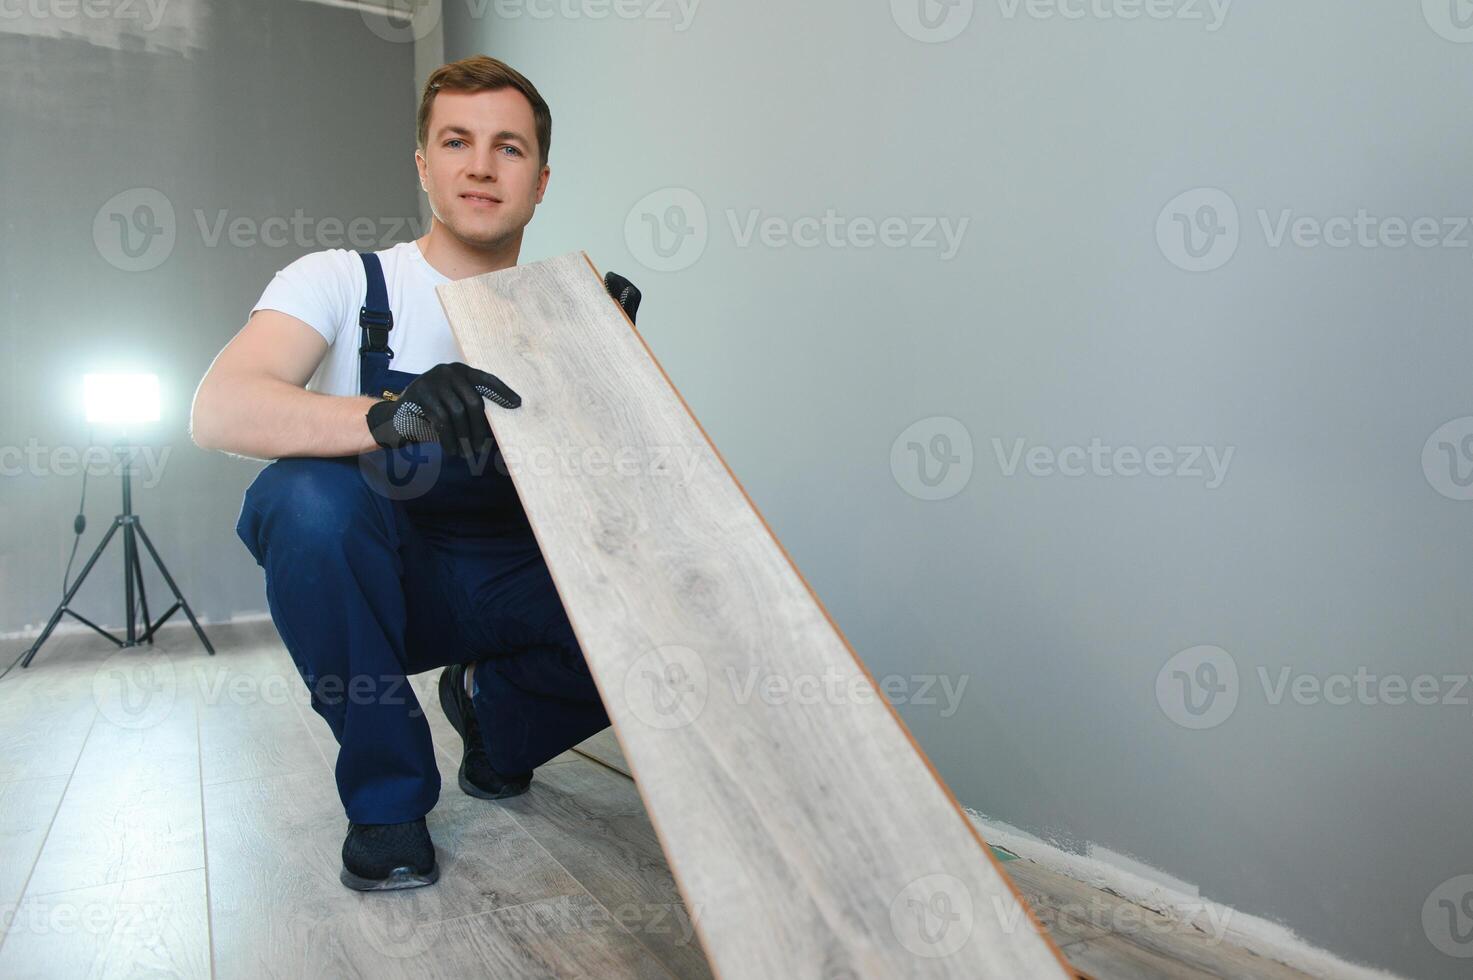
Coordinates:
x,y
513,149
448,142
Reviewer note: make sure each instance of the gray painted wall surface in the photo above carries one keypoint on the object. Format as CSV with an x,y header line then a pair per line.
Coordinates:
x,y
214,115
1323,546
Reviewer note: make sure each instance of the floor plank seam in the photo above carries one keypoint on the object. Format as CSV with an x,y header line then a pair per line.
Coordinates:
x,y
130,879
204,837
51,824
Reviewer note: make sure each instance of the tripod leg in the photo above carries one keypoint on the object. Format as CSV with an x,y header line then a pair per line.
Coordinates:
x,y
142,597
130,552
172,587
66,599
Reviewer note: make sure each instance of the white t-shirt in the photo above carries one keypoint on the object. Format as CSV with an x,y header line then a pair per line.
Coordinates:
x,y
326,289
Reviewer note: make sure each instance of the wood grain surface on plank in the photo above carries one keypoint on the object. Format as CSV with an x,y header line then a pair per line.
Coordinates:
x,y
809,836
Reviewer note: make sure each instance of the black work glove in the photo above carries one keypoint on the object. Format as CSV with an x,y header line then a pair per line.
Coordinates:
x,y
442,405
624,291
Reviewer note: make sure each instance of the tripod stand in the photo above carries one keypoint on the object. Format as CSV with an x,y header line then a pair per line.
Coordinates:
x,y
132,528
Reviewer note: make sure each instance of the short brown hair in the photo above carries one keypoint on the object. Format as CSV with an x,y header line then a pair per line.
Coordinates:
x,y
485,74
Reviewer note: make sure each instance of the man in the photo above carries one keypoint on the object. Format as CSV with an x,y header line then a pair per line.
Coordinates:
x,y
391,541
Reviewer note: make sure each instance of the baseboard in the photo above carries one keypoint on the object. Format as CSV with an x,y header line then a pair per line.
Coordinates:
x,y
70,626
1133,881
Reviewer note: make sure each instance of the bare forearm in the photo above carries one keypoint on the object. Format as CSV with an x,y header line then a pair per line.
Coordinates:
x,y
267,418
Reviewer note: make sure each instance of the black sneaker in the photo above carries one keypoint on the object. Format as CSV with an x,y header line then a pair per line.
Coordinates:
x,y
477,778
388,856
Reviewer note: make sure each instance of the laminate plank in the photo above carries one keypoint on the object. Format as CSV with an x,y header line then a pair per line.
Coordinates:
x,y
148,927
279,910
246,700
1109,958
594,823
47,709
1140,942
812,834
26,812
604,747
571,937
132,808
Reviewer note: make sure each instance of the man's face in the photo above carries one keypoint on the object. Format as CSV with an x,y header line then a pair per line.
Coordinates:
x,y
482,144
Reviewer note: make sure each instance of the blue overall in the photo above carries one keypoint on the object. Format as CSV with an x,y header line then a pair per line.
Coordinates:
x,y
395,562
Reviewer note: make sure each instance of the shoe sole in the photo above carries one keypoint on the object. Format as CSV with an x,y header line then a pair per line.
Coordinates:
x,y
451,706
398,879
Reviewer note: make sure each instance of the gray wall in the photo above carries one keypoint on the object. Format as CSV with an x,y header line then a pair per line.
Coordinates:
x,y
256,109
1328,546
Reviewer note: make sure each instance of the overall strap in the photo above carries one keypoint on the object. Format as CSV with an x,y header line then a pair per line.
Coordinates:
x,y
374,323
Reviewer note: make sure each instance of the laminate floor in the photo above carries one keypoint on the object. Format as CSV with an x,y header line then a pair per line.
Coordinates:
x,y
163,813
